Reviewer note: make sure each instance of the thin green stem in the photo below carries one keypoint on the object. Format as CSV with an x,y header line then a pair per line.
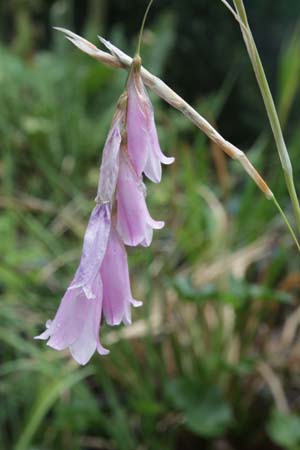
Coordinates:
x,y
142,28
137,53
286,222
270,108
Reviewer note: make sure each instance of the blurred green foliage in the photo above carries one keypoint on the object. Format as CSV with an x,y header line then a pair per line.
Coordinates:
x,y
219,283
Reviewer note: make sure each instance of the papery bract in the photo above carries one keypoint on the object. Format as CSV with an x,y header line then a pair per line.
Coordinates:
x,y
109,168
134,223
93,250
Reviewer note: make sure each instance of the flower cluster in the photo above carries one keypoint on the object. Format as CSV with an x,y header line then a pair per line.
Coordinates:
x,y
100,289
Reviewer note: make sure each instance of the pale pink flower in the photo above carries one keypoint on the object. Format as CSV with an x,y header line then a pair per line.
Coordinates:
x,y
134,223
101,286
100,289
143,145
117,297
77,321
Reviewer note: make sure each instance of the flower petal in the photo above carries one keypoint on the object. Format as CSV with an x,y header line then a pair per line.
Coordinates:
x,y
156,157
78,317
137,125
117,295
76,324
85,345
134,223
110,161
68,321
143,144
88,340
94,247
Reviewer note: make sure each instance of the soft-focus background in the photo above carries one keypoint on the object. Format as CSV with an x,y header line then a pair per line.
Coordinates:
x,y
212,360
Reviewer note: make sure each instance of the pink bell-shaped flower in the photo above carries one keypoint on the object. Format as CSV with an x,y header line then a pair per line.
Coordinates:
x,y
76,324
134,223
100,289
143,145
117,297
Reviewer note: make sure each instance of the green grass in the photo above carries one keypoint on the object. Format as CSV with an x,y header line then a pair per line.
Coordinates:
x,y
215,283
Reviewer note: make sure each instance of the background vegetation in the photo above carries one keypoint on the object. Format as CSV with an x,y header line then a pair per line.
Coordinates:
x,y
212,359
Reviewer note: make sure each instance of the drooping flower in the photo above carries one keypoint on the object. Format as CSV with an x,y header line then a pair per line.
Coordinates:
x,y
117,297
101,286
134,223
142,139
100,289
143,144
77,321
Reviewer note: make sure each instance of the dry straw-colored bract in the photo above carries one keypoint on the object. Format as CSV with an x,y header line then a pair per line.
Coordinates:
x,y
119,59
